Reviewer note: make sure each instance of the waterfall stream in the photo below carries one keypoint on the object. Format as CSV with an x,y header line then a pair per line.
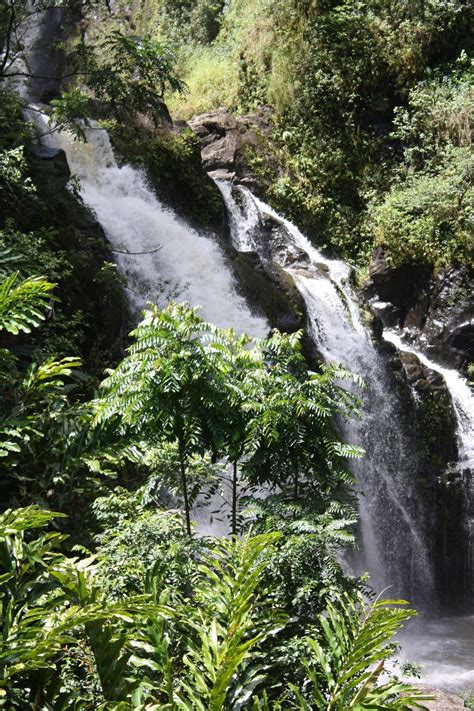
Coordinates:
x,y
395,515
394,521
188,266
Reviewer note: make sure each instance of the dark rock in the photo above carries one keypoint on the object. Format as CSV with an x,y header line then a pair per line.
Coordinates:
x,y
270,288
435,417
56,156
436,307
387,313
379,268
449,323
401,286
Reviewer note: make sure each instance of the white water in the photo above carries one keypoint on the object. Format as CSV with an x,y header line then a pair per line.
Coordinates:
x,y
445,647
189,266
462,397
394,533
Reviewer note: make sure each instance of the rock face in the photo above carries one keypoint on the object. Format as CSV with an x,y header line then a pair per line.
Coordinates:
x,y
228,142
437,308
444,701
429,411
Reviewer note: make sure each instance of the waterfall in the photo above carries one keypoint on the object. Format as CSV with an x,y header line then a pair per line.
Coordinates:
x,y
177,262
394,515
462,396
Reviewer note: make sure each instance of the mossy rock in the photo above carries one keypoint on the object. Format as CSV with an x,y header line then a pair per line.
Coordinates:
x,y
171,157
272,290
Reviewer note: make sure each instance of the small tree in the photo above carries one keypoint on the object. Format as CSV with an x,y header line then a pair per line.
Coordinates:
x,y
170,387
245,363
297,444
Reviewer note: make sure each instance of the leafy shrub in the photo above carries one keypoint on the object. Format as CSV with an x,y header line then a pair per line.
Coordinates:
x,y
427,219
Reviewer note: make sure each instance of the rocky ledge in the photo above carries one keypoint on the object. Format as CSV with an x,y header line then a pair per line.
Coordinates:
x,y
436,307
228,143
444,701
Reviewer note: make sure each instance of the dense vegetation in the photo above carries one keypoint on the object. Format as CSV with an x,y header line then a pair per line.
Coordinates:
x,y
108,598
371,122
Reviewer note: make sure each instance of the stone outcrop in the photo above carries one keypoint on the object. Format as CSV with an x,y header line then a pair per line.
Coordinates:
x,y
443,701
436,307
229,141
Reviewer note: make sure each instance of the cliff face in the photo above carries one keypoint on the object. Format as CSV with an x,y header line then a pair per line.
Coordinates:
x,y
437,308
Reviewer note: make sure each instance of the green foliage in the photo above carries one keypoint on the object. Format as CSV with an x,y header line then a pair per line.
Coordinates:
x,y
37,420
231,618
349,658
63,643
438,115
427,218
340,77
49,604
155,619
469,701
12,173
165,393
131,77
134,539
23,302
35,253
70,111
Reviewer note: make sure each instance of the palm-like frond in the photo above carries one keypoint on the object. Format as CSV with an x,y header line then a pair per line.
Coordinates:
x,y
23,302
349,657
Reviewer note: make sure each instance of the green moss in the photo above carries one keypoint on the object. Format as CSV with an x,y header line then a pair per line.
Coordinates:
x,y
436,429
172,160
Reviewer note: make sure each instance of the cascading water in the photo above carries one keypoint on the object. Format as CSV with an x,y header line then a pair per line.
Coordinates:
x,y
394,530
445,646
187,265
394,515
462,397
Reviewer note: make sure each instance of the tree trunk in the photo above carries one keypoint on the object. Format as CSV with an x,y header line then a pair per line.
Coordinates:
x,y
184,487
296,485
234,499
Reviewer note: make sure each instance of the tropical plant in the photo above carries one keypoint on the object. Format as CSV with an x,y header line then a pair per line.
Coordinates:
x,y
226,624
133,78
48,604
169,387
34,397
297,446
349,657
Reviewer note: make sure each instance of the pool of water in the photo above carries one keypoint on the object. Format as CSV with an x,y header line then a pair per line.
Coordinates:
x,y
445,650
